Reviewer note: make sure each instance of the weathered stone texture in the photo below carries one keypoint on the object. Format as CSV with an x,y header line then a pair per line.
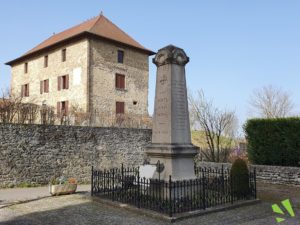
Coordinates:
x,y
35,153
76,60
264,173
104,66
94,61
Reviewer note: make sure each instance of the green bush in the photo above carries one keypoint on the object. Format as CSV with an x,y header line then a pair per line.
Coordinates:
x,y
239,174
273,141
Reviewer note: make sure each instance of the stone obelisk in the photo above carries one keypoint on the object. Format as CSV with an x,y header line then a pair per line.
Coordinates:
x,y
171,135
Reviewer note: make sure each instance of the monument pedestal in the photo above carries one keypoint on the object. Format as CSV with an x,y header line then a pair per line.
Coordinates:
x,y
176,160
171,136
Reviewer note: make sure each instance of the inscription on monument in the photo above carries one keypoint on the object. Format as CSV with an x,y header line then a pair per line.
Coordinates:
x,y
171,140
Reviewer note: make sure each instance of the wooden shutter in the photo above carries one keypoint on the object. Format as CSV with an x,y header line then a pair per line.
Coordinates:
x,y
59,83
67,81
58,108
27,90
66,107
120,107
46,86
117,80
22,90
41,86
122,81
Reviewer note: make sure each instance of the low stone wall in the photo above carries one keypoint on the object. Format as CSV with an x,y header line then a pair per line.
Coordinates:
x,y
35,153
268,174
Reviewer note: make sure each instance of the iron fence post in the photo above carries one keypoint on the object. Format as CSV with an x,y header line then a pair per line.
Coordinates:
x,y
203,191
231,187
158,162
122,175
113,184
170,197
138,194
255,183
223,185
92,181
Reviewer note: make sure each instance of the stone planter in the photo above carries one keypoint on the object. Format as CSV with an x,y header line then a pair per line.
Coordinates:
x,y
62,189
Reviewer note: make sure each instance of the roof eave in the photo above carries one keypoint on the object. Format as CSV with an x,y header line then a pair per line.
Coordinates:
x,y
78,36
149,52
40,51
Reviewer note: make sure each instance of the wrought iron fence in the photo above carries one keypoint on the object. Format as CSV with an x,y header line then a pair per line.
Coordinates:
x,y
212,187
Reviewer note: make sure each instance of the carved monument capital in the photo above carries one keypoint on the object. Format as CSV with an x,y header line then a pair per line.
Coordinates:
x,y
170,55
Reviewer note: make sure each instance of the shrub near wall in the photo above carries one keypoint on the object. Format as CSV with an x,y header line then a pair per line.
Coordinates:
x,y
274,141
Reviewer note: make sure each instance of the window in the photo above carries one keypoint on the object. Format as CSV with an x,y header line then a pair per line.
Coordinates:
x,y
120,56
134,102
63,82
25,90
120,81
26,67
46,61
44,86
64,55
120,107
62,108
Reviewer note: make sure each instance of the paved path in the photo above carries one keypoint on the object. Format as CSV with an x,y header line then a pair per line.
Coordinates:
x,y
79,209
14,195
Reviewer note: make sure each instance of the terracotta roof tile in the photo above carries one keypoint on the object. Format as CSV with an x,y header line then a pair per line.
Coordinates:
x,y
100,26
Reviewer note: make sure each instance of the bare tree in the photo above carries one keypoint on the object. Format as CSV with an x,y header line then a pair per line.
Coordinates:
x,y
271,102
219,127
47,115
9,106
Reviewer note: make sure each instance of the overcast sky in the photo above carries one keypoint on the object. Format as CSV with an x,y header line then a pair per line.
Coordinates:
x,y
234,46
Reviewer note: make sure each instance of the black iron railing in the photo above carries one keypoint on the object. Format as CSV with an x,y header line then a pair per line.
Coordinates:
x,y
212,187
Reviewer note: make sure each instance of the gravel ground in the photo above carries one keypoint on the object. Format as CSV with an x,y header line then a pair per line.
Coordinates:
x,y
80,210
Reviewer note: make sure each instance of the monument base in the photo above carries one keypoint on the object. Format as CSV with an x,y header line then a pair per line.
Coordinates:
x,y
176,160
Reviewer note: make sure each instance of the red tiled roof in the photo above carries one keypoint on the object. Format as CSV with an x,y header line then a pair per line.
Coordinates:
x,y
99,26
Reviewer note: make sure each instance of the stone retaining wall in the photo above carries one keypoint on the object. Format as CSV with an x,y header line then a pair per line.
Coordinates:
x,y
268,174
35,153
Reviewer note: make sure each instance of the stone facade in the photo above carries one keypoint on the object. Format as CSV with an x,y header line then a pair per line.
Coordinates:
x,y
35,153
76,62
104,67
105,72
264,173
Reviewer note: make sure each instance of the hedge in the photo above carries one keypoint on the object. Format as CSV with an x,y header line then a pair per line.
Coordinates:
x,y
273,141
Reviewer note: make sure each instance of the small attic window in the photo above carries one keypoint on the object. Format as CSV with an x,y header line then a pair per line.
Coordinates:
x,y
46,61
134,102
26,67
64,55
120,56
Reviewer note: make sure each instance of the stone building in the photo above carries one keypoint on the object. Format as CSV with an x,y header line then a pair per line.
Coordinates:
x,y
92,67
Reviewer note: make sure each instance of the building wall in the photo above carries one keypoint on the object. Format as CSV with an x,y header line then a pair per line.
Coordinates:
x,y
76,63
36,153
104,66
